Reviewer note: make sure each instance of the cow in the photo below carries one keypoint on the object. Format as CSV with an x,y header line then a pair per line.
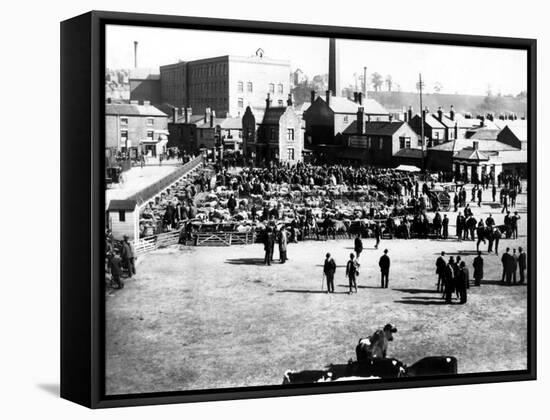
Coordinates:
x,y
382,368
305,376
375,346
433,366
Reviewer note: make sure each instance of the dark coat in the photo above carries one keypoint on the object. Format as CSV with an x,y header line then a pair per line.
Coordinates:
x,y
478,267
522,261
330,266
440,266
127,251
384,263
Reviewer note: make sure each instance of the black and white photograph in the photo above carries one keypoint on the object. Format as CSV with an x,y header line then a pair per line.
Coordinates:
x,y
288,210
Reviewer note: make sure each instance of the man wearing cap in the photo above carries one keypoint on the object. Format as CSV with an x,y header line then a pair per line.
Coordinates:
x,y
329,270
127,254
522,264
384,264
440,265
352,269
478,269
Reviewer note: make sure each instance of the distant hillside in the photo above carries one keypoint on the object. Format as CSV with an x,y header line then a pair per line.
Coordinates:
x,y
461,103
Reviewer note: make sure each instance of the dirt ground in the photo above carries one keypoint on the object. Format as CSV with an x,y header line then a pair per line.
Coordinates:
x,y
196,318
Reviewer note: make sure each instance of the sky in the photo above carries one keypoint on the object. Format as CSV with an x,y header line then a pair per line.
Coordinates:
x,y
465,70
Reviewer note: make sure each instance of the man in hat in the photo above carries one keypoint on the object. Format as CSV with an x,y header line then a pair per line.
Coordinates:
x,y
116,270
449,281
522,264
478,269
268,246
384,265
358,245
352,269
463,281
329,269
283,240
127,255
440,265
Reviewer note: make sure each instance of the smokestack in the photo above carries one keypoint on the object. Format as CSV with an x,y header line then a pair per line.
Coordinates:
x,y
490,117
289,100
410,113
365,81
452,113
355,95
267,101
135,54
476,145
456,130
312,96
360,98
212,115
328,94
333,68
440,114
360,120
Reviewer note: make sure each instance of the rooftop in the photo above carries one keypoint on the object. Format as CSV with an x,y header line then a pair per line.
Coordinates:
x,y
375,128
133,110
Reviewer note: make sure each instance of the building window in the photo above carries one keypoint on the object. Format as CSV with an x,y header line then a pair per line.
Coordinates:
x,y
124,135
239,87
240,103
451,134
121,216
123,120
436,135
249,87
271,88
290,134
290,153
150,135
404,142
280,88
346,118
150,121
369,142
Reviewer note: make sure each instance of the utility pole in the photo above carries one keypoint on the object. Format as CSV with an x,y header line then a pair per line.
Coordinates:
x,y
420,84
365,82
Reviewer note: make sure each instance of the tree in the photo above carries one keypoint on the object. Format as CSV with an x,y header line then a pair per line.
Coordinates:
x,y
389,82
438,87
377,81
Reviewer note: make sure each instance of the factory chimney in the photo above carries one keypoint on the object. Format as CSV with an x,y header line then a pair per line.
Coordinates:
x,y
135,54
333,68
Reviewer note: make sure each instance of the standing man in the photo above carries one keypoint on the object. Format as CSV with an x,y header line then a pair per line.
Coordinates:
x,y
504,203
514,266
352,269
522,264
329,270
479,196
514,224
127,255
384,265
497,234
449,281
460,222
377,233
232,205
268,246
445,224
463,281
490,222
283,240
506,271
494,193
116,270
358,245
478,269
440,265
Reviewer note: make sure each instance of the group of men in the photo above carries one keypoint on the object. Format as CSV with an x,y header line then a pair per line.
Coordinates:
x,y
275,236
120,259
511,263
454,276
352,270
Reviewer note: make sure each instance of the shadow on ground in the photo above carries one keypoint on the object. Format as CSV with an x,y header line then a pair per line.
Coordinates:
x,y
52,389
246,261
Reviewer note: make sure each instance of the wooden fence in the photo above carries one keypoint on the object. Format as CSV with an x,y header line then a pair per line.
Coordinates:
x,y
224,238
151,243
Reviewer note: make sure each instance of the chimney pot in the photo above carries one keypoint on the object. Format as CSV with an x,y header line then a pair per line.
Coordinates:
x,y
452,113
328,94
360,120
289,100
410,113
476,145
312,96
360,98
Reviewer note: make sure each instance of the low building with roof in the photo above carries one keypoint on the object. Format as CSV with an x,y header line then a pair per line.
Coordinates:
x,y
136,128
327,118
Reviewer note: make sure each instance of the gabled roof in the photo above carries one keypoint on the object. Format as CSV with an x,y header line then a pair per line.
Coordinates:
x,y
430,120
518,129
375,128
133,110
484,134
483,145
470,154
272,115
116,205
341,105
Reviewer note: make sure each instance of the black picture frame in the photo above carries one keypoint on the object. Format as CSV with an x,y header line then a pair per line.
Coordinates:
x,y
82,206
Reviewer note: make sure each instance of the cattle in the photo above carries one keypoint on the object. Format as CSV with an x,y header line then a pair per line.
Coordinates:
x,y
375,346
382,368
433,366
305,376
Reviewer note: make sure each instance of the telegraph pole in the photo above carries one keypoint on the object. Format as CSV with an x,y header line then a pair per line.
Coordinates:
x,y
420,83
